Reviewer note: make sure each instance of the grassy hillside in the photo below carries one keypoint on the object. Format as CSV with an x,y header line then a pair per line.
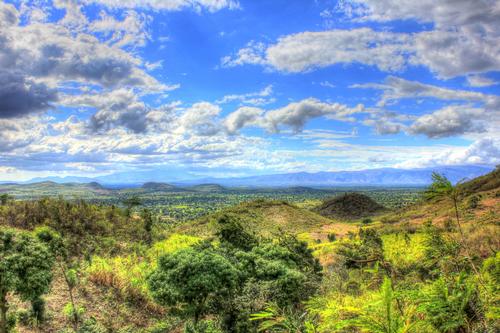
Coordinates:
x,y
271,217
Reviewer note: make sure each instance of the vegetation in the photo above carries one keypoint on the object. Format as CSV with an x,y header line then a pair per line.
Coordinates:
x,y
257,266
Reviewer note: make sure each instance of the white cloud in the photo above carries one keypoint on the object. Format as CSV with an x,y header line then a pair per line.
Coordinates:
x,y
483,151
261,97
9,16
465,38
450,53
395,88
450,121
244,116
170,5
129,31
294,115
480,81
479,16
309,50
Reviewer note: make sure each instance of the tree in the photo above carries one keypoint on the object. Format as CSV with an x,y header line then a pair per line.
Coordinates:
x,y
147,219
441,188
4,198
56,245
452,306
190,279
25,269
131,203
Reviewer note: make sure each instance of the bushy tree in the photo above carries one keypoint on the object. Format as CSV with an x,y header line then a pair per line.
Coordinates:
x,y
56,245
25,269
191,279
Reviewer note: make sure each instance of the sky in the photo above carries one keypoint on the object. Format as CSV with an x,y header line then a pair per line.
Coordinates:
x,y
198,88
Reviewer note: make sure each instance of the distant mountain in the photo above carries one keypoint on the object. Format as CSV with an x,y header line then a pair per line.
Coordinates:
x,y
61,180
369,177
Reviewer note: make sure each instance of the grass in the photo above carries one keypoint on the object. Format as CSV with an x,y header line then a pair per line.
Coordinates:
x,y
128,274
404,250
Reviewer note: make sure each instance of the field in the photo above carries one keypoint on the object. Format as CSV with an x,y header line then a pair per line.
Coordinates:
x,y
191,203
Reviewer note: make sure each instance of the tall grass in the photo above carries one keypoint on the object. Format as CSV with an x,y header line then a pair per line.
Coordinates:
x,y
127,274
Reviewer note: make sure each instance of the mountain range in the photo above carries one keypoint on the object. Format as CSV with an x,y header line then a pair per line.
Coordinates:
x,y
368,177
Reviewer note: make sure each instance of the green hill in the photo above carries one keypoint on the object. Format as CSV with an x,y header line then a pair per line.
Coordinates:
x,y
263,217
349,206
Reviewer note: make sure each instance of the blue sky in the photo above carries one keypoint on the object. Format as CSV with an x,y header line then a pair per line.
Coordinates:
x,y
193,88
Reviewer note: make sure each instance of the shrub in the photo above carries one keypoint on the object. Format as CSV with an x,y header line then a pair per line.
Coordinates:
x,y
473,202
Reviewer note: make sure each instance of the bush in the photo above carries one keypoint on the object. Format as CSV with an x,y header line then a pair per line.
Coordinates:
x,y
92,326
473,202
332,237
367,221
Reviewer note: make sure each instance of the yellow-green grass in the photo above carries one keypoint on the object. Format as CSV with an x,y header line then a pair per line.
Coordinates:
x,y
404,250
128,274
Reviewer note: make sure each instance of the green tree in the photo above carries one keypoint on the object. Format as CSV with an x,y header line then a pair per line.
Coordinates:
x,y
452,306
442,189
147,219
4,198
55,243
191,279
131,203
25,269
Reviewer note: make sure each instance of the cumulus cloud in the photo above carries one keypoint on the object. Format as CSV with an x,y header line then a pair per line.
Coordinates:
x,y
244,116
261,97
451,53
8,15
131,30
54,52
385,126
479,16
18,133
170,5
309,50
294,115
480,81
466,35
200,119
20,96
450,121
395,88
483,151
465,40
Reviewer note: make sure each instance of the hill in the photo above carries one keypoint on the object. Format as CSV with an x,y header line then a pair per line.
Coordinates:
x,y
349,206
271,217
49,188
207,188
163,187
479,204
487,182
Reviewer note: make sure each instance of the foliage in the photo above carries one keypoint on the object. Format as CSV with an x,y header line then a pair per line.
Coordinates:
x,y
451,306
191,279
25,269
285,320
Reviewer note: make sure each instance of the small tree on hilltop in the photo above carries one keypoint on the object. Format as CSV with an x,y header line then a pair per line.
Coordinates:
x,y
25,270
